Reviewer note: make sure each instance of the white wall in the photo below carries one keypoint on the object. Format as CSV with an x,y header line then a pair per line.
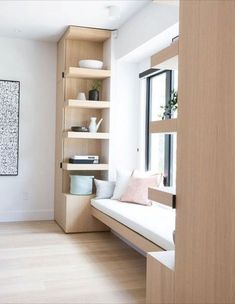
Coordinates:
x,y
127,146
144,26
124,118
144,34
29,196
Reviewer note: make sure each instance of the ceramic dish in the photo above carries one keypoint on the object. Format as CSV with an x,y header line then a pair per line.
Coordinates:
x,y
79,129
91,64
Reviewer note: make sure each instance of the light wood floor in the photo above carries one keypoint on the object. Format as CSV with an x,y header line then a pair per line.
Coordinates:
x,y
41,264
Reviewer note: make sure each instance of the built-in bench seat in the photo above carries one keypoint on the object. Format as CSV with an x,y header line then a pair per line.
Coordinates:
x,y
154,223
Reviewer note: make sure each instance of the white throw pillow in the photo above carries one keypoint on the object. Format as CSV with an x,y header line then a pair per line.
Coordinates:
x,y
104,189
121,184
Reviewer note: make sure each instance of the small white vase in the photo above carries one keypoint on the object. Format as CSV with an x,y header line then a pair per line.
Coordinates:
x,y
93,127
81,96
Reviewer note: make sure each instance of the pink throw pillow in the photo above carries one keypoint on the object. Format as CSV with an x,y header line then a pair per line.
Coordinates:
x,y
137,189
139,173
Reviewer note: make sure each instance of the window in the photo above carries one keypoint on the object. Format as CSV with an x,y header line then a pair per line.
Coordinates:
x,y
161,148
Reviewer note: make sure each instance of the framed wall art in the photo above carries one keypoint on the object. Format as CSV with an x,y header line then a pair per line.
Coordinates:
x,y
9,127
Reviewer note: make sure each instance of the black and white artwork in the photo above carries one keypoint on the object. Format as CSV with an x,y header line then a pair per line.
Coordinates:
x,y
9,126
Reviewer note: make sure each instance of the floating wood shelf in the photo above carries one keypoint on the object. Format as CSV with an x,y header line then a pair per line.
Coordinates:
x,y
163,126
88,34
163,197
85,167
73,72
86,135
87,104
166,55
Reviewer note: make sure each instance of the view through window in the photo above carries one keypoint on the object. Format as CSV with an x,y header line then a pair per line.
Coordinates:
x,y
161,148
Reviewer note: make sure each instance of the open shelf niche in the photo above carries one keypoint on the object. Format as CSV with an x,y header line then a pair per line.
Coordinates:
x,y
77,44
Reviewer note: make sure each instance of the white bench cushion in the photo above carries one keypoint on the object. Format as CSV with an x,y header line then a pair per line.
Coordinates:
x,y
156,223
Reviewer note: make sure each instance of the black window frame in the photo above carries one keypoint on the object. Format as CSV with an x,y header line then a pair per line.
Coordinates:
x,y
168,157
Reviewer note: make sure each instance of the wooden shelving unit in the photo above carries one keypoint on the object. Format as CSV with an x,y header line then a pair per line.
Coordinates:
x,y
73,72
77,44
163,126
87,104
86,135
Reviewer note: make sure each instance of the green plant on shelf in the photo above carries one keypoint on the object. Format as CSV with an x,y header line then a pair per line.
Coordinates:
x,y
94,93
96,85
170,107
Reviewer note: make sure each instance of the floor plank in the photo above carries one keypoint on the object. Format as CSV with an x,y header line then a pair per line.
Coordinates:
x,y
41,264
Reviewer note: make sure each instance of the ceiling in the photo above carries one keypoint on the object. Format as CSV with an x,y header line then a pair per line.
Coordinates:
x,y
47,20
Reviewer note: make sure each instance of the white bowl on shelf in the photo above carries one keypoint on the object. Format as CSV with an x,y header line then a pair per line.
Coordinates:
x,y
91,64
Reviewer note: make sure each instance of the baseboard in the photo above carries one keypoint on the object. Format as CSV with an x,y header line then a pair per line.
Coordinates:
x,y
21,216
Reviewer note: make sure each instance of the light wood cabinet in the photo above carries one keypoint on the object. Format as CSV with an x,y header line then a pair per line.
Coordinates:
x,y
205,237
160,285
72,212
76,215
205,225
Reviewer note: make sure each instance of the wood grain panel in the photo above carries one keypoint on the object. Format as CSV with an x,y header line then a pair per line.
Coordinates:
x,y
160,284
79,50
75,86
163,126
88,34
166,54
82,117
60,59
205,226
74,72
163,197
130,235
60,92
77,215
81,147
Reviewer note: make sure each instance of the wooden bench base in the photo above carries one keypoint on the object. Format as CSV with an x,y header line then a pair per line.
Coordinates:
x,y
130,235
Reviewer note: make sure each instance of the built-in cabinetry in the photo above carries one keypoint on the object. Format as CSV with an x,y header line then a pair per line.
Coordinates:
x,y
204,270
205,225
72,212
160,277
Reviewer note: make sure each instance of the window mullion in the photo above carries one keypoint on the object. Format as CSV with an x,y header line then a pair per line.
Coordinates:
x,y
168,138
